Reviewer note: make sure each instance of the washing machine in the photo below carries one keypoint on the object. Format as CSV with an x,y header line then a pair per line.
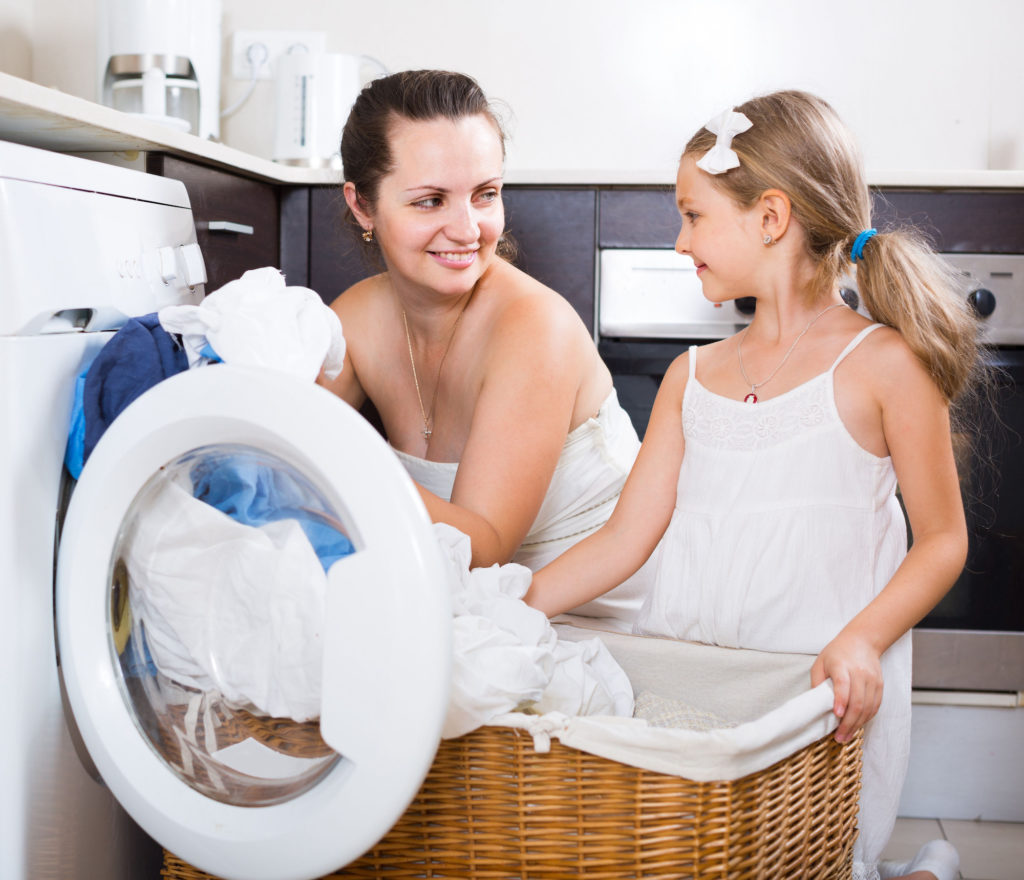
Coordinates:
x,y
106,753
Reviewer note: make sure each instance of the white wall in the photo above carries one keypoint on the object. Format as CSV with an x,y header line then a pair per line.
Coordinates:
x,y
604,84
16,38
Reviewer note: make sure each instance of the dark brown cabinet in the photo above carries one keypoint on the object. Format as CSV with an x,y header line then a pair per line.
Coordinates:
x,y
337,256
238,220
555,231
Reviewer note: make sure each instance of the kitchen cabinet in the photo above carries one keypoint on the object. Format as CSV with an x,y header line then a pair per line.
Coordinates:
x,y
954,221
337,256
238,219
555,235
638,218
970,222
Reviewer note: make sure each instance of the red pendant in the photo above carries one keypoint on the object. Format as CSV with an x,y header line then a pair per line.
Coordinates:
x,y
750,398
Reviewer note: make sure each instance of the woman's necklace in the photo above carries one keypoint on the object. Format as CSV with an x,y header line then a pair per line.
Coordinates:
x,y
427,419
752,397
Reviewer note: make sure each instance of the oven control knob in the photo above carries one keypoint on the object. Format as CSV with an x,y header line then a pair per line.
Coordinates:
x,y
745,305
983,301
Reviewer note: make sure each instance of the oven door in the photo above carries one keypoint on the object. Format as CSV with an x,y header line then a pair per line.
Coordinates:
x,y
264,700
974,638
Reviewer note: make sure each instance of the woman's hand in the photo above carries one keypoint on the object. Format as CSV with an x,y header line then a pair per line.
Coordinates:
x,y
855,668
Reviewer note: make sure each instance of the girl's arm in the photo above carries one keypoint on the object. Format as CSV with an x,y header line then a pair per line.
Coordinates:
x,y
915,421
614,552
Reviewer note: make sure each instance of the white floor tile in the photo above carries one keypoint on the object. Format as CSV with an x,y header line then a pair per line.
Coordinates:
x,y
988,850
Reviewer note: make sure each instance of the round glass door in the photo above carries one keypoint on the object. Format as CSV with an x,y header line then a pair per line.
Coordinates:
x,y
254,624
217,604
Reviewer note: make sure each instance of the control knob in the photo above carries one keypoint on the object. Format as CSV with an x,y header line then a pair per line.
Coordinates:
x,y
983,301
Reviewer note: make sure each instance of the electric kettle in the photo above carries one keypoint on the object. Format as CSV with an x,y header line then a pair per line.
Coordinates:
x,y
314,92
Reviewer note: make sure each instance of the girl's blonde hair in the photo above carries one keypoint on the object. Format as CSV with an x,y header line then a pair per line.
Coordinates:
x,y
798,144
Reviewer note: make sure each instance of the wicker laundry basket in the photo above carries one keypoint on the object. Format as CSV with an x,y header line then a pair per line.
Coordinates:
x,y
493,807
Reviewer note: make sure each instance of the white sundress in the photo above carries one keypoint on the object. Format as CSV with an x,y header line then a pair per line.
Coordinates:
x,y
784,528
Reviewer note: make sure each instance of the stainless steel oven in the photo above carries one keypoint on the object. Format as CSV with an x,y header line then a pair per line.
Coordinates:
x,y
650,309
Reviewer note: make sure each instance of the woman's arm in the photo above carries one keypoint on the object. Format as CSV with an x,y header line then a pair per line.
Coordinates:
x,y
350,308
915,421
538,356
614,552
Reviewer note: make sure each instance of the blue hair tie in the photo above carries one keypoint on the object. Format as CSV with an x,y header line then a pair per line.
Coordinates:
x,y
857,251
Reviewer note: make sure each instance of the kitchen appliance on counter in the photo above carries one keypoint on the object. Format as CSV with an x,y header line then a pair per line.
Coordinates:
x,y
970,648
314,92
160,59
83,246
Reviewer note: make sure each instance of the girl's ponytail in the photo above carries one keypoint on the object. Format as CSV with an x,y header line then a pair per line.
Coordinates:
x,y
907,286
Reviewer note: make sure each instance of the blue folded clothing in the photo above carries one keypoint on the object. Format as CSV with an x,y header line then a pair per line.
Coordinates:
x,y
255,492
139,355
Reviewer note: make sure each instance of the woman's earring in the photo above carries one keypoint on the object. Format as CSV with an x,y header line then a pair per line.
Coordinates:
x,y
367,235
767,240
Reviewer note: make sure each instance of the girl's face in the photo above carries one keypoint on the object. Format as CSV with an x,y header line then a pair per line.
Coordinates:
x,y
723,239
439,214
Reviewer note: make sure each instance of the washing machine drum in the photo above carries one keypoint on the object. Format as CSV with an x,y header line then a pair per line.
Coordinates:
x,y
253,624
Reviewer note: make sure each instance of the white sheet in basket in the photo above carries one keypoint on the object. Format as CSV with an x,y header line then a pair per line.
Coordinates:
x,y
765,696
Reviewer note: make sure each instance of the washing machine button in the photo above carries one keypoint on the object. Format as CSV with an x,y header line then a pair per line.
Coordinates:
x,y
168,264
195,268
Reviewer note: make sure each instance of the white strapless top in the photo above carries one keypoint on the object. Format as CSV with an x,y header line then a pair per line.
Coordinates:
x,y
591,470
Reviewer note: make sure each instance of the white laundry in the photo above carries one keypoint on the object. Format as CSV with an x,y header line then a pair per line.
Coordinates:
x,y
507,656
229,607
257,321
238,609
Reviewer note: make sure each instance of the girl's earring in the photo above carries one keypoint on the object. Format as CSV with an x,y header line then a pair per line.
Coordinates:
x,y
367,235
767,240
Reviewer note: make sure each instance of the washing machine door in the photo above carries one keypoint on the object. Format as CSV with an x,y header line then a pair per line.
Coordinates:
x,y
253,624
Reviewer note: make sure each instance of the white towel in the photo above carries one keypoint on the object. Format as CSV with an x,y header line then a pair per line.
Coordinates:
x,y
257,321
507,656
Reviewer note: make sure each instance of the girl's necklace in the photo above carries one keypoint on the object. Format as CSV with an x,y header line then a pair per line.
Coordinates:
x,y
752,396
427,419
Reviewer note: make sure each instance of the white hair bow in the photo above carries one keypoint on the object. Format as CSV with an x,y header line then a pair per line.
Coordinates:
x,y
721,157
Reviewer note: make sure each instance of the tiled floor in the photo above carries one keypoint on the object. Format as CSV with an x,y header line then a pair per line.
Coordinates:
x,y
988,850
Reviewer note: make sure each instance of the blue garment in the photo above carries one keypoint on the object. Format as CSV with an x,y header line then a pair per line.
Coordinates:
x,y
139,355
74,453
254,492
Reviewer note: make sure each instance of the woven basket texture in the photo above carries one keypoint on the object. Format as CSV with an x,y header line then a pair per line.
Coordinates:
x,y
492,808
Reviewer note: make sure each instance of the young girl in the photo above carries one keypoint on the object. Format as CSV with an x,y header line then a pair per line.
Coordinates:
x,y
779,526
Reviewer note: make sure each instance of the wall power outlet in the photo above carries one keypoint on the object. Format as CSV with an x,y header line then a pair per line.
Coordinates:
x,y
248,43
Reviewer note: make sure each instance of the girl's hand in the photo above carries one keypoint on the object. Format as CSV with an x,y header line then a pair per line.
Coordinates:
x,y
856,671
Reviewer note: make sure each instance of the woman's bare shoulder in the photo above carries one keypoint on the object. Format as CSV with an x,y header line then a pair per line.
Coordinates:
x,y
522,304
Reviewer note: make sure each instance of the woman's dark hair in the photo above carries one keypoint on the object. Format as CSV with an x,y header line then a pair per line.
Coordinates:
x,y
411,94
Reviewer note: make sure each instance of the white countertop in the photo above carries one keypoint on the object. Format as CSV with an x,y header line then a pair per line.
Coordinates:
x,y
41,117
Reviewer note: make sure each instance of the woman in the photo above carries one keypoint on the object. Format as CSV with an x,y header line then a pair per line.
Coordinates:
x,y
488,385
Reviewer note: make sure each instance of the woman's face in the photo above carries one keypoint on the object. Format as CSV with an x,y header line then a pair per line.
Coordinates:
x,y
439,215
